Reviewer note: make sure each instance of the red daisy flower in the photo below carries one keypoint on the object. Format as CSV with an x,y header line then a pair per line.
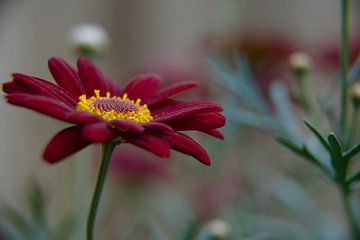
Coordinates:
x,y
102,112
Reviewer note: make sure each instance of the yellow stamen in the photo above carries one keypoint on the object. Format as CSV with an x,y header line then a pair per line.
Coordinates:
x,y
111,108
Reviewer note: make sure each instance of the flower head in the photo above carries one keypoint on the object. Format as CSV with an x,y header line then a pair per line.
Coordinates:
x,y
101,111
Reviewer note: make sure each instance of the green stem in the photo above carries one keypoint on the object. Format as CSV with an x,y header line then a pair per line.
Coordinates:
x,y
107,150
305,96
355,231
344,51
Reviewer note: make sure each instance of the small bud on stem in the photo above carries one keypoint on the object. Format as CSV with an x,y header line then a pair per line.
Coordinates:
x,y
300,64
218,229
89,39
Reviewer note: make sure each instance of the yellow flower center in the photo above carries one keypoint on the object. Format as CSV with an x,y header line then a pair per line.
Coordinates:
x,y
113,107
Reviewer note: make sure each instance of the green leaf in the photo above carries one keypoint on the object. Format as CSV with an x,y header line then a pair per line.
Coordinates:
x,y
34,225
278,227
8,232
250,118
299,150
353,178
244,70
237,84
352,152
156,232
191,230
37,204
290,145
66,228
318,135
303,152
20,223
335,145
339,163
291,194
284,114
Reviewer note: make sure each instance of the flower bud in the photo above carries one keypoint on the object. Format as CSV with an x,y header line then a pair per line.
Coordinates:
x,y
218,229
355,94
300,64
89,39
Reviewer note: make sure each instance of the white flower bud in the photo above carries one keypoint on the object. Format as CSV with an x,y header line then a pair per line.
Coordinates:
x,y
89,39
218,229
300,63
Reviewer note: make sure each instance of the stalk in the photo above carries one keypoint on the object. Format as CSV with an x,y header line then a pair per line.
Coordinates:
x,y
107,150
344,66
346,199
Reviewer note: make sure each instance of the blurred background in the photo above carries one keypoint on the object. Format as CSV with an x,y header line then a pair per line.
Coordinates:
x,y
254,185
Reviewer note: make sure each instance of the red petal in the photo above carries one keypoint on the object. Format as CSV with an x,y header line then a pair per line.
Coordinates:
x,y
200,121
99,132
142,86
83,117
151,142
112,86
158,126
45,105
91,77
170,109
171,91
42,87
66,77
214,133
65,143
187,145
126,125
13,87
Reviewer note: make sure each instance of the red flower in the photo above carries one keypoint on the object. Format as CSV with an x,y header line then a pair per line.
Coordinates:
x,y
102,112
